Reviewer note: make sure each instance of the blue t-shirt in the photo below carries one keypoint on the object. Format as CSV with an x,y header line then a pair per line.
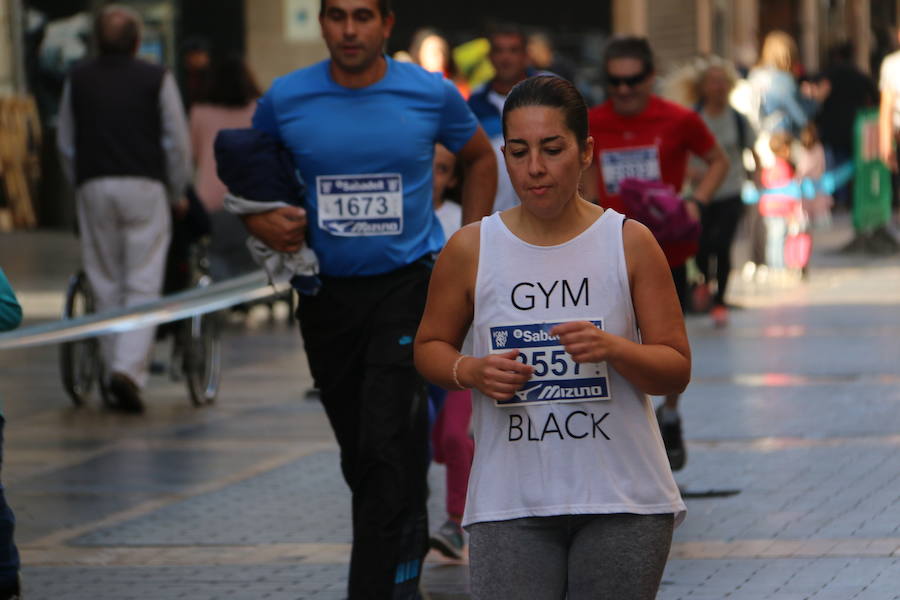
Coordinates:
x,y
366,158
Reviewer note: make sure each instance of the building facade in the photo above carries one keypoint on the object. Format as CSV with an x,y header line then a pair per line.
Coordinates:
x,y
40,39
680,29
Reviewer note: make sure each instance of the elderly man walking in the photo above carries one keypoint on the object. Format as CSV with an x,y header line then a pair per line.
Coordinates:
x,y
124,143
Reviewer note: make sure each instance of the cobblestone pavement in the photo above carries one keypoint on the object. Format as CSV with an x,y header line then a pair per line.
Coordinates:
x,y
792,482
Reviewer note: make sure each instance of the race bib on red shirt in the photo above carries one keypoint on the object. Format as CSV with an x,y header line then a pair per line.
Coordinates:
x,y
639,162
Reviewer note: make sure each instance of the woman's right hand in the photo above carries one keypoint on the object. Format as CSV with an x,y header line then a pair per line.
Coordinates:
x,y
497,376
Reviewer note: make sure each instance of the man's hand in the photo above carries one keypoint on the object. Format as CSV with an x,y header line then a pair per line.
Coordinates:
x,y
180,209
282,229
693,208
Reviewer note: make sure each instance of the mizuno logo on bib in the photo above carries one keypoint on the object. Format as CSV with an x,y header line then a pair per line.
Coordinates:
x,y
360,205
556,378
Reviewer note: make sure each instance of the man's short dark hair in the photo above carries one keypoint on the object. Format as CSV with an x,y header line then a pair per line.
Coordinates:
x,y
629,46
117,30
384,7
507,29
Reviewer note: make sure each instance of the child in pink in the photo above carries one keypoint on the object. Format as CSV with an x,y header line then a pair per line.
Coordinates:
x,y
777,209
453,446
811,165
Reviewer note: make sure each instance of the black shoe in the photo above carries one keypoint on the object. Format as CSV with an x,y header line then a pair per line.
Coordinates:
x,y
13,592
671,435
157,367
125,393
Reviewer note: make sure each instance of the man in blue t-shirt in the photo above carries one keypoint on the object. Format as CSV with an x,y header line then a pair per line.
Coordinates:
x,y
362,129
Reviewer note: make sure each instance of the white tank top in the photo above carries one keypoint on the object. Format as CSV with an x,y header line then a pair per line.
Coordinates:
x,y
576,439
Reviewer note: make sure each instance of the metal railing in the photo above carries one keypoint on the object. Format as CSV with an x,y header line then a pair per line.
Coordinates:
x,y
190,303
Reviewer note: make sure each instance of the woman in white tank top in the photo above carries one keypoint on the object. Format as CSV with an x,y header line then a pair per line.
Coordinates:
x,y
574,320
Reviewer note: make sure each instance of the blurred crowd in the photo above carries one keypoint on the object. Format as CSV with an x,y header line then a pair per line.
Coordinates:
x,y
812,116
708,145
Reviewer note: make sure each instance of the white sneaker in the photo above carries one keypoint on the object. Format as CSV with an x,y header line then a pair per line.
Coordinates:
x,y
748,271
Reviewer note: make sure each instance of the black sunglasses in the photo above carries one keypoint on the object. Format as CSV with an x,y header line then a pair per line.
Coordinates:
x,y
631,81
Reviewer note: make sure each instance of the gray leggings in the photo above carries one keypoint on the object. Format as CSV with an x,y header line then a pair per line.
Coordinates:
x,y
579,557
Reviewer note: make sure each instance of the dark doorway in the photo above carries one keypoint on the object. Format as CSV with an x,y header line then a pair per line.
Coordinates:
x,y
780,15
220,22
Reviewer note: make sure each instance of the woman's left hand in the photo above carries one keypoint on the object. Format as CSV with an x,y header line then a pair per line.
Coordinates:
x,y
585,342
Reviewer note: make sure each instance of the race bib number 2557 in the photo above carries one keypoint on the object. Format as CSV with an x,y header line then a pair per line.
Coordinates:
x,y
556,378
360,205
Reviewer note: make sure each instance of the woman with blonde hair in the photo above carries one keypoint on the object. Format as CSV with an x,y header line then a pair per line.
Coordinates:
x,y
780,104
706,85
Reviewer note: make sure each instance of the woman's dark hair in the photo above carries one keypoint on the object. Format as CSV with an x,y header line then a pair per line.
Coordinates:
x,y
629,46
553,92
231,83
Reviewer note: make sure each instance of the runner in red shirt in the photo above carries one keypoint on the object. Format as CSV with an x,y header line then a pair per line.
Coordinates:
x,y
639,135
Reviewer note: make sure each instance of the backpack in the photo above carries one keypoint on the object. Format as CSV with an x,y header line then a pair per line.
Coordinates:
x,y
656,205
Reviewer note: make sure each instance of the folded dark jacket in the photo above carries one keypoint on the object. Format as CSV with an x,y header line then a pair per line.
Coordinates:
x,y
255,166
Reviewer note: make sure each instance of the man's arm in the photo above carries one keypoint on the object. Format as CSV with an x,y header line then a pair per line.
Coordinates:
x,y
480,180
65,134
282,229
886,128
175,139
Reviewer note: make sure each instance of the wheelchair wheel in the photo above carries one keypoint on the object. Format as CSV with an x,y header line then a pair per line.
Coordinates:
x,y
202,358
79,361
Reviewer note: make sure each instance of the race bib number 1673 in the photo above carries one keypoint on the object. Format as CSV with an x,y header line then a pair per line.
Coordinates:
x,y
360,205
556,378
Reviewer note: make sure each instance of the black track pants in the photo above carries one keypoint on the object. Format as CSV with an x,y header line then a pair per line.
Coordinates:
x,y
358,335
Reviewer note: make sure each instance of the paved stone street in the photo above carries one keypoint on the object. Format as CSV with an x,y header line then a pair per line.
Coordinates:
x,y
792,481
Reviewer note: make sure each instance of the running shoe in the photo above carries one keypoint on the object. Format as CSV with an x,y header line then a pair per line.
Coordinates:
x,y
748,271
701,298
448,540
719,315
126,394
14,591
671,435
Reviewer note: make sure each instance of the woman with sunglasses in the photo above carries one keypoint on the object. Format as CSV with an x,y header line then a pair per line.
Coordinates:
x,y
638,135
574,319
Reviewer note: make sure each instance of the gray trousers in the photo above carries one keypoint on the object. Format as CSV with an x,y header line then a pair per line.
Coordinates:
x,y
579,557
125,225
